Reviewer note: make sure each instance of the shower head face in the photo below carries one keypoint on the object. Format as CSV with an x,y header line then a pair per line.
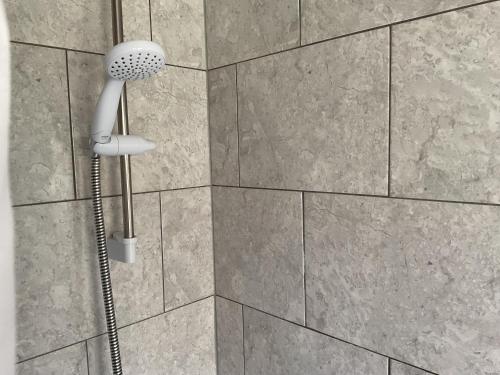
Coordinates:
x,y
135,60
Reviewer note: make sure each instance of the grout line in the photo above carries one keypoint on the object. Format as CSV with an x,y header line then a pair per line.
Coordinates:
x,y
237,124
390,116
216,336
71,138
186,67
209,129
162,254
150,21
96,53
304,258
300,22
323,333
55,47
362,195
359,32
212,221
55,350
205,33
388,366
243,338
87,352
107,196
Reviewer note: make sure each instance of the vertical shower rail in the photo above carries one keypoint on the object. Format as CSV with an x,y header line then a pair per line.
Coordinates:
x,y
122,119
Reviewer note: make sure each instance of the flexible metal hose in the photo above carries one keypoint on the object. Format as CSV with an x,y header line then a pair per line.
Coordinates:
x,y
102,249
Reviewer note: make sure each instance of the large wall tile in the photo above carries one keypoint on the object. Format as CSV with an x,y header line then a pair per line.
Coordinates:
x,y
316,118
59,298
229,317
171,110
414,280
398,368
446,107
179,27
258,249
181,342
273,346
86,80
223,112
75,24
241,29
70,24
187,246
40,149
323,19
71,360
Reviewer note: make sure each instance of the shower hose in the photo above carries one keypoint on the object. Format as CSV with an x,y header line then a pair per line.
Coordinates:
x,y
102,249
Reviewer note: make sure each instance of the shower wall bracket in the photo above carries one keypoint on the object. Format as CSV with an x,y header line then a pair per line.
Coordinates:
x,y
122,249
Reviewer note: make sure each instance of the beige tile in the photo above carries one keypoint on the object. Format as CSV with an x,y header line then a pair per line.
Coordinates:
x,y
59,298
136,20
274,346
69,24
171,110
70,360
446,107
258,249
417,281
187,246
86,80
223,112
181,342
40,142
179,27
229,317
241,29
316,118
323,19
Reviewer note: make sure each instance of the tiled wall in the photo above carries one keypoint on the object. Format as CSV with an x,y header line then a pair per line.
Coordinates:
x,y
355,158
164,302
323,198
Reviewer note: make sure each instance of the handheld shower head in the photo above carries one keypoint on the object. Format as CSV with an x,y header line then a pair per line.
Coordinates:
x,y
134,60
128,61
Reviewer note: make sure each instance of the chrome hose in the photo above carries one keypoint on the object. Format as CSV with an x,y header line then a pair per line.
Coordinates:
x,y
102,249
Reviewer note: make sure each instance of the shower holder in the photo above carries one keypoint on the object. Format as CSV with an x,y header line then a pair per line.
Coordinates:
x,y
122,249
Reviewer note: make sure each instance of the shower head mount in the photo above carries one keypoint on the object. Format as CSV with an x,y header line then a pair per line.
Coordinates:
x,y
128,61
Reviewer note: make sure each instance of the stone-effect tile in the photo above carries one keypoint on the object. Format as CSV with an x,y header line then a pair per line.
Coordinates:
x,y
136,21
70,24
414,280
398,368
258,249
316,118
40,149
229,317
71,360
59,298
171,109
446,107
187,246
274,346
86,80
323,19
181,342
241,29
223,112
179,27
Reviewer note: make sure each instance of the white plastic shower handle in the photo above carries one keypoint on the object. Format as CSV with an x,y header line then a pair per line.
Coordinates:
x,y
105,114
123,145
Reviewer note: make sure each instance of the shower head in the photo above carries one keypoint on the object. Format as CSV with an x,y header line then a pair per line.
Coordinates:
x,y
134,60
128,61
